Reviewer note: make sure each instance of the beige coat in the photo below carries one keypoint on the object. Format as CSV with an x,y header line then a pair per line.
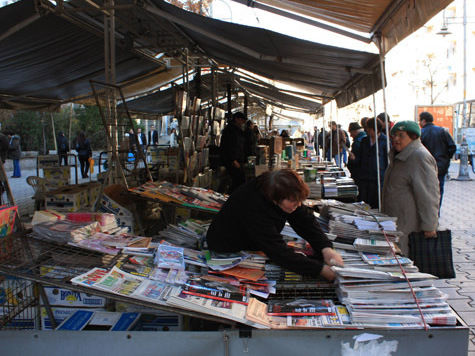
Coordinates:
x,y
411,191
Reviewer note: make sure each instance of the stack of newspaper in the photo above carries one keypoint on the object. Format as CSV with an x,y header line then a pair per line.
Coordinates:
x,y
189,233
385,299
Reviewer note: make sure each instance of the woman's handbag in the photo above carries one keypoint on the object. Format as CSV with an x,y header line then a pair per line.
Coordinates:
x,y
432,255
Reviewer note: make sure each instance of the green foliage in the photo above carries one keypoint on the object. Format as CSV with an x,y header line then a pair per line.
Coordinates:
x,y
29,125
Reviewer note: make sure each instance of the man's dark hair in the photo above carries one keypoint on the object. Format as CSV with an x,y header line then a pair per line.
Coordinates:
x,y
427,116
282,184
238,115
363,122
382,117
370,124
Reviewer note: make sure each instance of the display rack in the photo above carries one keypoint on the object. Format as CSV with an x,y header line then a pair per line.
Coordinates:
x,y
54,265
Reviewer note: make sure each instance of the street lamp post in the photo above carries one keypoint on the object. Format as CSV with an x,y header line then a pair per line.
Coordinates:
x,y
463,166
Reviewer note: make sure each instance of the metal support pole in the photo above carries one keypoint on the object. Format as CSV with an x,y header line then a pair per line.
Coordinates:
x,y
228,90
463,166
54,133
383,83
246,103
337,139
377,153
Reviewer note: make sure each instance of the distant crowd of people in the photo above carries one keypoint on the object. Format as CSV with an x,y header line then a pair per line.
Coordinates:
x,y
411,175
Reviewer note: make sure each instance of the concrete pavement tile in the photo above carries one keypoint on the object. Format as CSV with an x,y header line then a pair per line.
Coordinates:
x,y
468,317
460,258
442,283
470,256
453,293
465,265
461,281
462,305
466,293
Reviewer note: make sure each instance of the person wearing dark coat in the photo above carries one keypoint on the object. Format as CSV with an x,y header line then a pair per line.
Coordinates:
x,y
142,139
255,214
232,150
367,165
83,148
440,144
14,153
4,145
335,143
63,148
357,134
250,139
153,136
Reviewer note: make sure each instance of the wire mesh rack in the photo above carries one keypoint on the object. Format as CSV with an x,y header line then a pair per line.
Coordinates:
x,y
18,304
32,260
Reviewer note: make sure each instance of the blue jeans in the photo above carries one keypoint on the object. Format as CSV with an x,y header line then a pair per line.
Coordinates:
x,y
16,168
441,188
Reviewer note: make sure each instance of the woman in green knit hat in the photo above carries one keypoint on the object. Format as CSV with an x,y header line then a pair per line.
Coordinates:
x,y
411,188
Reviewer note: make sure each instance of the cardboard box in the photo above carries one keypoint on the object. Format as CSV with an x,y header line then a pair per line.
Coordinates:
x,y
93,189
152,319
56,176
59,314
65,297
67,199
47,161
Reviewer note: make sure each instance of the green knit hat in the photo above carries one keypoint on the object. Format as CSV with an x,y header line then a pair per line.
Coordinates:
x,y
408,126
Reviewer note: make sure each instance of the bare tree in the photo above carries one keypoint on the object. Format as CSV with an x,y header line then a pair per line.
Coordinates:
x,y
197,6
434,82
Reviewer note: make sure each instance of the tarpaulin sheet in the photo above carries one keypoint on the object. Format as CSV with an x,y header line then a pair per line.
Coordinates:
x,y
162,102
51,60
327,70
394,19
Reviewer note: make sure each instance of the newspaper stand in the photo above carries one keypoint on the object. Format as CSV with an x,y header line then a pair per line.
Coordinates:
x,y
26,256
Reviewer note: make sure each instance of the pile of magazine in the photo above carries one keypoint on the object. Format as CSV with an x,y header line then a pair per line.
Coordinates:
x,y
194,197
189,233
385,299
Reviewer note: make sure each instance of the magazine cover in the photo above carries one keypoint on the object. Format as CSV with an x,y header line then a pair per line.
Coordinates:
x,y
7,219
170,257
301,307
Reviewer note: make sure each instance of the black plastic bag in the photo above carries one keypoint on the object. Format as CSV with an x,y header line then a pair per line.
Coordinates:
x,y
432,255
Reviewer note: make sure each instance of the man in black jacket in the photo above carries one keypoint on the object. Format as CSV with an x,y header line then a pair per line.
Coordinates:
x,y
232,150
255,214
439,143
63,148
153,136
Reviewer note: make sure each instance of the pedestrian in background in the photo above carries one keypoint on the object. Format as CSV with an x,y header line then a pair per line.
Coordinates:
x,y
153,136
83,148
14,153
232,150
357,134
315,141
367,163
346,146
63,148
363,122
250,139
142,139
337,140
4,145
410,190
440,144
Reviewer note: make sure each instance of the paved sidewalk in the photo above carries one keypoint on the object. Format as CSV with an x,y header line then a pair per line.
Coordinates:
x,y
457,214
